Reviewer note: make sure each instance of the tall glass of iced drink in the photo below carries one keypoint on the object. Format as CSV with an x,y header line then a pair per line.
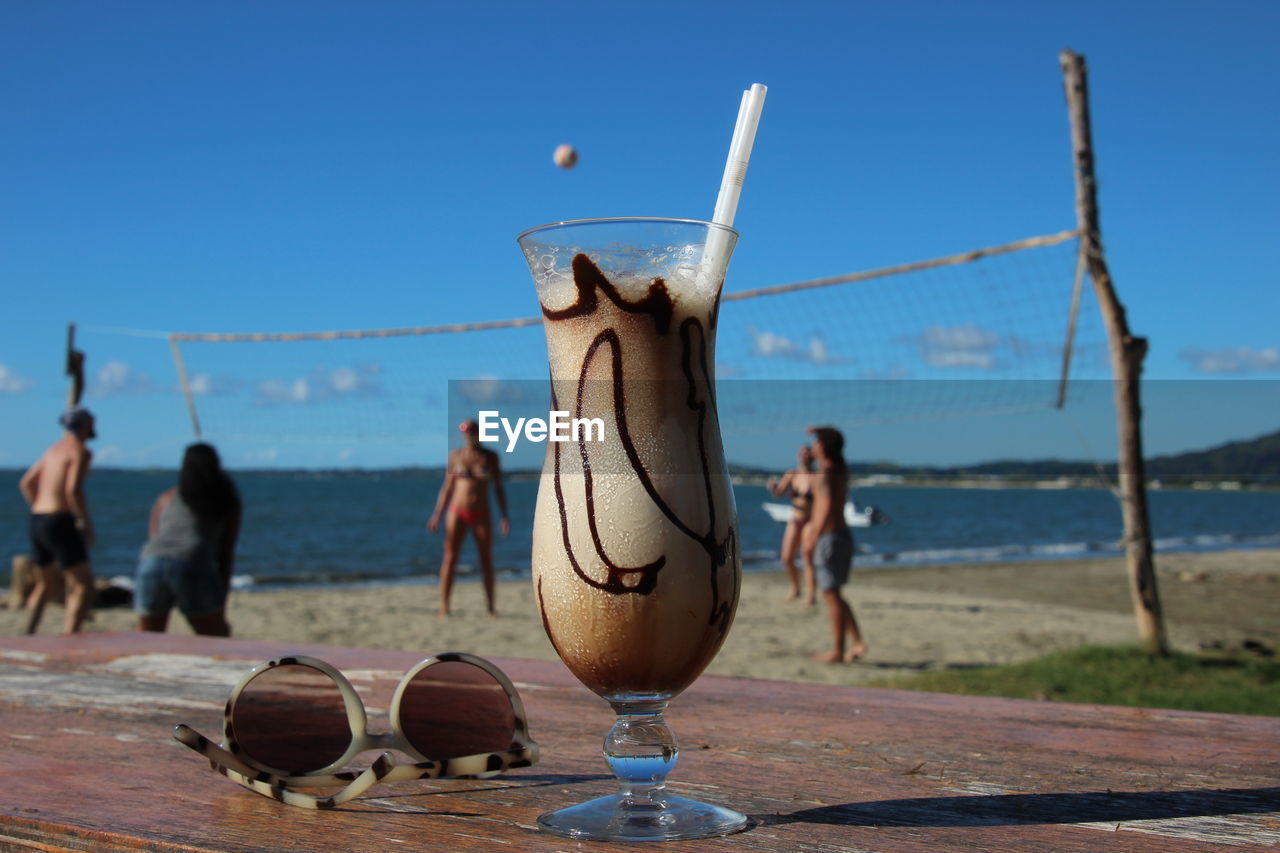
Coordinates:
x,y
636,566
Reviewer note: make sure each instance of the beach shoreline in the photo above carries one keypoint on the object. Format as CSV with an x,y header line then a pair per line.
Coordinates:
x,y
915,618
868,560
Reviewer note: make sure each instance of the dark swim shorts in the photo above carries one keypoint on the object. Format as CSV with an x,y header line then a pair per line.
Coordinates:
x,y
832,556
56,538
163,582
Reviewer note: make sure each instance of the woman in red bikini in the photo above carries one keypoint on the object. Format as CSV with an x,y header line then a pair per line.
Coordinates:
x,y
465,497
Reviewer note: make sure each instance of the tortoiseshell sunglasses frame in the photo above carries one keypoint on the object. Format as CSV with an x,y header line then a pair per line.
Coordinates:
x,y
230,760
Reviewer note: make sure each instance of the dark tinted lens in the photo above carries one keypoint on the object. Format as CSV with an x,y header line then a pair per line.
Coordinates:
x,y
454,708
292,718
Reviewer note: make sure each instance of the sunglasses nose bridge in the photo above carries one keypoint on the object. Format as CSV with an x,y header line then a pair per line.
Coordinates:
x,y
383,740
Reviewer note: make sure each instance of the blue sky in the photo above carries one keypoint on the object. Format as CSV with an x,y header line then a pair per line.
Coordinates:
x,y
291,166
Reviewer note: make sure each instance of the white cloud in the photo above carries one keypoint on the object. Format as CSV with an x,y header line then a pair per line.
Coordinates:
x,y
116,377
818,352
959,358
270,454
1233,359
11,382
489,390
772,345
273,392
115,454
205,385
966,346
320,385
344,380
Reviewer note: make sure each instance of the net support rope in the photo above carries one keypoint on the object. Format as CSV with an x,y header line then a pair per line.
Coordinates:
x,y
901,269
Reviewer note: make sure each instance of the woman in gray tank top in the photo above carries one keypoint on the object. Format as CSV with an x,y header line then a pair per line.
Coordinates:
x,y
187,561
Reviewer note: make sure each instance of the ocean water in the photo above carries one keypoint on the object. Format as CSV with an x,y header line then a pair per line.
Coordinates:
x,y
335,528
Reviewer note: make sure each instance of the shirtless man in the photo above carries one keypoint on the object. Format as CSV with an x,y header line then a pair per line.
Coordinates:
x,y
61,531
827,537
465,495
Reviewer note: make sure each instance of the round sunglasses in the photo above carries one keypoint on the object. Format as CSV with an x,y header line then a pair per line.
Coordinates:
x,y
296,722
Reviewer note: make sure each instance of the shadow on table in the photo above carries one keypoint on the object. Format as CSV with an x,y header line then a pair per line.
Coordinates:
x,y
1021,809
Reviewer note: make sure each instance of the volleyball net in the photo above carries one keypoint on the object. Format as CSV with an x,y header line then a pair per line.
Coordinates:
x,y
997,329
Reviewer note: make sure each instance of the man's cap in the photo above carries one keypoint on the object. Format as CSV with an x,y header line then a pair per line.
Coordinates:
x,y
74,419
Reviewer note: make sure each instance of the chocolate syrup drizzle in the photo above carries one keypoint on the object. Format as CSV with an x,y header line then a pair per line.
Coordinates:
x,y
657,302
659,305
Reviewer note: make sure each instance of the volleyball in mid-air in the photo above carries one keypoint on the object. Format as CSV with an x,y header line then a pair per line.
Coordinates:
x,y
566,156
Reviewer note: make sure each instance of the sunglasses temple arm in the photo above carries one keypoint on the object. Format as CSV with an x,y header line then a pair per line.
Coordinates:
x,y
192,739
482,765
382,769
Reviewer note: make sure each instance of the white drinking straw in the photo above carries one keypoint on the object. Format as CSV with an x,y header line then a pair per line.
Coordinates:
x,y
735,168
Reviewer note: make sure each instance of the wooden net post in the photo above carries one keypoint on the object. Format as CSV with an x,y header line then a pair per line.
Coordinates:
x,y
1127,354
186,386
75,368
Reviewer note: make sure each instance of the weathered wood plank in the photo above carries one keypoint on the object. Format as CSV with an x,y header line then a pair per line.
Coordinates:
x,y
88,764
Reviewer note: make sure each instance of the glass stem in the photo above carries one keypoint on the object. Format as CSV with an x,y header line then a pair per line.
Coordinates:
x,y
641,750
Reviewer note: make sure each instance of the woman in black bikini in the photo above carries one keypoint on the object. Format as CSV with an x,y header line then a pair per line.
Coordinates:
x,y
465,496
797,485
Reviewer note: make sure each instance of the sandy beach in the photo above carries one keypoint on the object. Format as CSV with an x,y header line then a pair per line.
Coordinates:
x,y
914,618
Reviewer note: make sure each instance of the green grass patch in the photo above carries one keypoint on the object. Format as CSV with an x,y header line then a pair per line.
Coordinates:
x,y
1233,684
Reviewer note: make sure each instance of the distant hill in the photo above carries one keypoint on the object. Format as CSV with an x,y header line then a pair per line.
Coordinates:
x,y
1253,461
1257,460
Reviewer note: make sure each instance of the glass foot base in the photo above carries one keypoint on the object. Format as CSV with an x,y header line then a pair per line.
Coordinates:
x,y
614,818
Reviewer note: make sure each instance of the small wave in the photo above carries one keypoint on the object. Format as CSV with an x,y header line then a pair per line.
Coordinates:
x,y
1065,548
1215,541
955,555
1011,552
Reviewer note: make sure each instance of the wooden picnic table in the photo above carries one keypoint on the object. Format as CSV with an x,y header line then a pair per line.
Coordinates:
x,y
88,763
